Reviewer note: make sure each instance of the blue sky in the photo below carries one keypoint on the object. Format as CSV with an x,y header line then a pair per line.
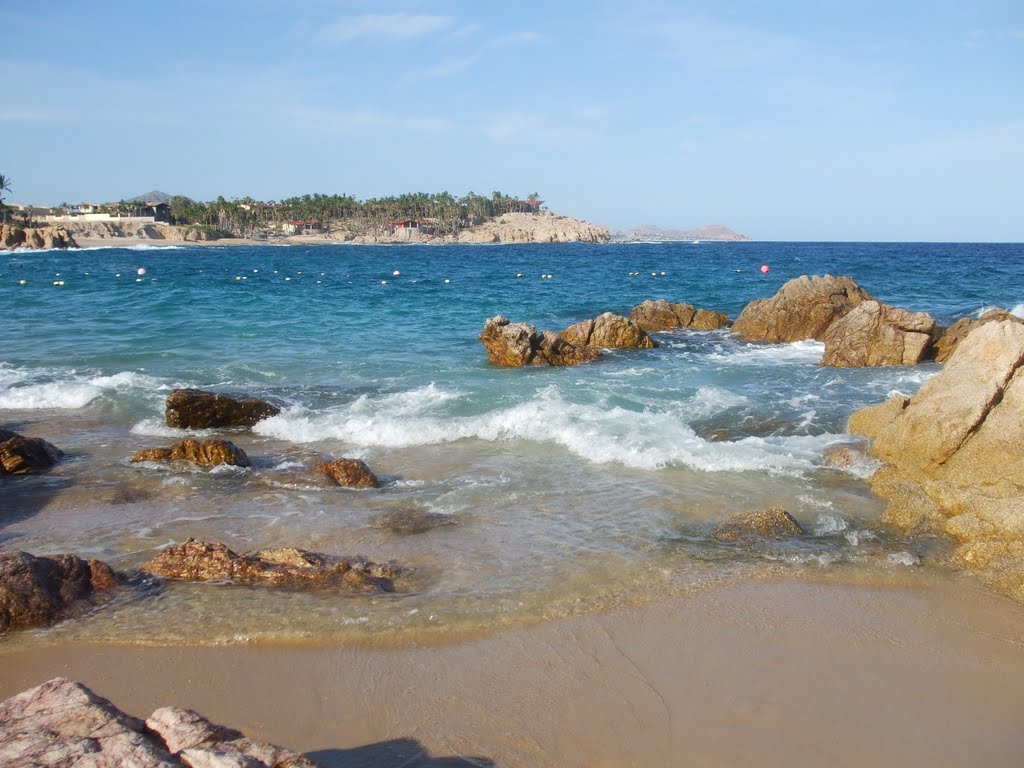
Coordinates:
x,y
826,120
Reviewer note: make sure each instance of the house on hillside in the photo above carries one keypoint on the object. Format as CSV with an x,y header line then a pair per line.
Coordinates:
x,y
410,229
303,227
159,211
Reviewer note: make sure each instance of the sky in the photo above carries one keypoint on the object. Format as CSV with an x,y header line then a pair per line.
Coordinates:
x,y
828,120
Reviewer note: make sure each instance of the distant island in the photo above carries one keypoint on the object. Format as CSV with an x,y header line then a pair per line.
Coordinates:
x,y
649,233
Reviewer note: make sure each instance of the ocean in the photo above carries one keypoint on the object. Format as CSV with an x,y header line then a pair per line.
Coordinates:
x,y
553,491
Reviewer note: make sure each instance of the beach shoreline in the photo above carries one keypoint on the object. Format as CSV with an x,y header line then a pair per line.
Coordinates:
x,y
763,672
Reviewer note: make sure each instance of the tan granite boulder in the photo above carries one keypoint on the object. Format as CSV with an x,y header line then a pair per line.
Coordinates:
x,y
709,320
37,591
773,523
206,452
958,331
20,455
289,567
196,409
14,236
803,308
875,334
514,345
349,472
608,331
661,315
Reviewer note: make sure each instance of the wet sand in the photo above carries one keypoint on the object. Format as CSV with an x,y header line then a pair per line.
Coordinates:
x,y
761,673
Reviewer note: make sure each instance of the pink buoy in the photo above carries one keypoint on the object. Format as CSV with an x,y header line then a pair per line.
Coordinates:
x,y
764,268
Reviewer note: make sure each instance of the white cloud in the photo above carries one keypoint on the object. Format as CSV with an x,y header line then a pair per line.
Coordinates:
x,y
394,27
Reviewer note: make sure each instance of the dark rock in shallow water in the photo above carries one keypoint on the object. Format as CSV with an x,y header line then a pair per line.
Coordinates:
x,y
20,455
412,521
61,723
287,567
37,591
772,523
196,409
206,452
348,472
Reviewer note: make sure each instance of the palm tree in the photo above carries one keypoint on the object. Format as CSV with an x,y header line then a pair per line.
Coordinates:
x,y
5,186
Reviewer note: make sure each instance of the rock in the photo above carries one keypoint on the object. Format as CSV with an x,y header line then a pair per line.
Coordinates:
x,y
539,227
875,334
62,723
608,331
514,345
291,568
196,409
37,591
350,472
803,308
412,521
772,523
13,236
953,452
21,455
206,452
660,315
958,331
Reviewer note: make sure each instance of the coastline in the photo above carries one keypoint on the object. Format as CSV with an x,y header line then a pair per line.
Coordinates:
x,y
765,672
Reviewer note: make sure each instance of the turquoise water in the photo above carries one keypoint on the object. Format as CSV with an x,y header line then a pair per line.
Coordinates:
x,y
566,489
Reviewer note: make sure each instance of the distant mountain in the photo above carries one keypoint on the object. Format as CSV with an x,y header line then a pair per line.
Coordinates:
x,y
151,197
649,233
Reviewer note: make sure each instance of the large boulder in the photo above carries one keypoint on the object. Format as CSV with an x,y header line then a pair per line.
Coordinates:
x,y
348,472
196,409
20,455
661,315
286,567
875,334
952,453
62,723
607,331
514,345
206,452
958,331
803,308
37,591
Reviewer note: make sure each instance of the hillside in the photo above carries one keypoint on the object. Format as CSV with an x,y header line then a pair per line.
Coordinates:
x,y
651,233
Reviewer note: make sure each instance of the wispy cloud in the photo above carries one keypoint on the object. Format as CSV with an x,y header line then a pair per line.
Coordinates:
x,y
447,68
393,27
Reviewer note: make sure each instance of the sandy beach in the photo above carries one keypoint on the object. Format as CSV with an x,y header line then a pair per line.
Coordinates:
x,y
766,673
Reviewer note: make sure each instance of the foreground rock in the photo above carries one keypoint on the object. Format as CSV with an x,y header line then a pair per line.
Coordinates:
x,y
875,334
774,523
62,723
608,331
803,308
206,452
959,330
12,236
661,315
288,567
514,345
196,409
352,473
952,454
38,591
20,455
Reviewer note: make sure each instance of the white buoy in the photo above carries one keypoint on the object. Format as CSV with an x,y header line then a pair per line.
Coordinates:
x,y
138,279
118,274
520,274
447,280
663,274
287,279
396,273
21,282
383,282
141,271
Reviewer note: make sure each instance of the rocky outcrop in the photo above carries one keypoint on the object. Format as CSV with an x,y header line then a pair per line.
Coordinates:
x,y
661,315
197,409
62,723
348,472
287,567
514,345
773,523
958,331
12,236
37,591
875,334
952,454
608,331
20,455
206,452
803,308
535,228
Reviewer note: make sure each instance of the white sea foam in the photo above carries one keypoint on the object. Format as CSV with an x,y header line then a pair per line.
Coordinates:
x,y
1018,310
52,395
70,391
759,354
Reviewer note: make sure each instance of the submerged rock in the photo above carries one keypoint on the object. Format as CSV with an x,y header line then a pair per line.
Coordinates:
x,y
20,455
959,330
515,345
349,472
608,331
62,723
37,591
412,521
289,567
803,308
875,334
772,523
206,452
660,315
196,409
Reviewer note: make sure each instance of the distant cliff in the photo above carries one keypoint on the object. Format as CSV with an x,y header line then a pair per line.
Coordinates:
x,y
650,233
535,228
12,237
